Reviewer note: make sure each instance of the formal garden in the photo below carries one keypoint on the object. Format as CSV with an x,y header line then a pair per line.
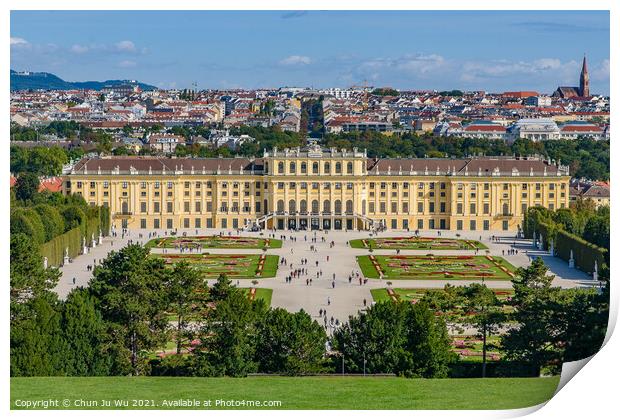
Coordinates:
x,y
418,242
213,241
233,265
436,267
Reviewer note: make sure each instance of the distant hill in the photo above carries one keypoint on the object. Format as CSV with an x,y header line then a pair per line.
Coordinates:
x,y
49,81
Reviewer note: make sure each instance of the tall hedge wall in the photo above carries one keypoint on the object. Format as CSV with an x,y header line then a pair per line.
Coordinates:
x,y
54,250
584,252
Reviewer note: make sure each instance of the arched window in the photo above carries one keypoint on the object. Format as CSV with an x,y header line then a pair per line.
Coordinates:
x,y
350,167
280,167
292,167
125,207
338,167
266,207
266,168
337,207
315,206
315,167
349,206
291,206
280,205
303,206
326,168
304,168
505,209
326,206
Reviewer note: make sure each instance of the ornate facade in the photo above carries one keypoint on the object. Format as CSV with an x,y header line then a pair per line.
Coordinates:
x,y
315,188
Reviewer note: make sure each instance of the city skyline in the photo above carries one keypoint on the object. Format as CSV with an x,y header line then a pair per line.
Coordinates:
x,y
404,50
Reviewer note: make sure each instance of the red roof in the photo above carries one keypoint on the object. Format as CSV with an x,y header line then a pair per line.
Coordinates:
x,y
520,94
582,128
486,127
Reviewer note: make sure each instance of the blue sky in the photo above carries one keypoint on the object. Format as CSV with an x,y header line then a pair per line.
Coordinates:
x,y
493,51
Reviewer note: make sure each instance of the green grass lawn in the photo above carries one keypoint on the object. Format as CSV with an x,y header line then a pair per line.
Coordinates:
x,y
233,265
261,293
438,267
422,243
214,241
295,392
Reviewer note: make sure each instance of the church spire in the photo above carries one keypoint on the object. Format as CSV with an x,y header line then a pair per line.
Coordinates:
x,y
584,80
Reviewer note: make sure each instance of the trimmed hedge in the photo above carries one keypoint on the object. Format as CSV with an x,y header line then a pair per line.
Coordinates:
x,y
584,252
54,250
97,218
500,369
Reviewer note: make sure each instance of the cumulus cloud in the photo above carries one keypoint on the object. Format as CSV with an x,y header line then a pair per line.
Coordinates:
x,y
483,70
79,49
126,46
18,42
296,60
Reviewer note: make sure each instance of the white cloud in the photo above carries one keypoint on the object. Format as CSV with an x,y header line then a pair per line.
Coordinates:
x,y
79,49
601,71
127,64
126,46
18,42
295,60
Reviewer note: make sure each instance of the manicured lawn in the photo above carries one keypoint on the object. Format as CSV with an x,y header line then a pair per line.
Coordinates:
x,y
233,265
214,241
261,293
413,242
294,392
437,267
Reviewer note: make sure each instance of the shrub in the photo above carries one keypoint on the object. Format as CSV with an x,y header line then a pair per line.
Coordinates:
x,y
53,222
74,216
28,222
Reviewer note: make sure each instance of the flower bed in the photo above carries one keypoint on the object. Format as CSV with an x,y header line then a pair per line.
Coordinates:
x,y
415,242
214,241
233,265
438,267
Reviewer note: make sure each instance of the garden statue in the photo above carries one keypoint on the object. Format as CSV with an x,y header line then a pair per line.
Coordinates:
x,y
540,242
595,272
66,259
92,237
84,248
551,250
571,260
45,263
100,237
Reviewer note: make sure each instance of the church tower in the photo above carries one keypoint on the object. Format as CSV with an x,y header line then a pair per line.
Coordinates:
x,y
584,80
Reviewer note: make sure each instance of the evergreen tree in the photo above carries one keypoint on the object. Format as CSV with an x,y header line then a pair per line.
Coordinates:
x,y
186,296
26,186
228,339
398,338
37,345
129,287
28,278
290,343
85,335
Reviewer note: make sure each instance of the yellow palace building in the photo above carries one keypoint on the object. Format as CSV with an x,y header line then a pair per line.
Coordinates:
x,y
314,188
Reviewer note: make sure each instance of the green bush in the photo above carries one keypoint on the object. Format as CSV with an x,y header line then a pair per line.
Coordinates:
x,y
53,222
74,216
28,222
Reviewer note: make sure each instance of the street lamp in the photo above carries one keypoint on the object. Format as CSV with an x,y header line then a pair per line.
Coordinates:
x,y
364,363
